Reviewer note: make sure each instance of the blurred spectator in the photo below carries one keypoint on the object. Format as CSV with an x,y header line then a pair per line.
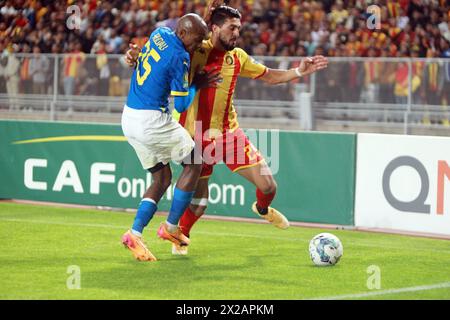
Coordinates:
x,y
103,70
25,74
89,78
334,79
171,21
105,30
115,85
39,65
353,79
372,70
338,14
401,86
114,42
431,81
387,79
11,75
8,9
401,83
71,66
88,40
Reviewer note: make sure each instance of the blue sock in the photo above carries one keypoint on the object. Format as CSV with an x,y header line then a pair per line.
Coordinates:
x,y
181,200
145,212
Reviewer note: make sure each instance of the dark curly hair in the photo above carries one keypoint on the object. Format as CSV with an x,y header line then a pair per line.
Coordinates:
x,y
222,13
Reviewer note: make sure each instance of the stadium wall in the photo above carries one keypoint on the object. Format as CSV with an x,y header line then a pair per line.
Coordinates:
x,y
92,164
403,183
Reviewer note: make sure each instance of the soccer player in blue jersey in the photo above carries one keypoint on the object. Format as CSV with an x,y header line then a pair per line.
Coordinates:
x,y
162,70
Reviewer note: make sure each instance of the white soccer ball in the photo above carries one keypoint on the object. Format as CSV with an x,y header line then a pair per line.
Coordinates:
x,y
325,249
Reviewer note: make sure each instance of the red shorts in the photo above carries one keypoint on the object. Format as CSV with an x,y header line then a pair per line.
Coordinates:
x,y
234,149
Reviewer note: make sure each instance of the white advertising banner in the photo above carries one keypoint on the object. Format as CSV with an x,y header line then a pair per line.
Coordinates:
x,y
403,183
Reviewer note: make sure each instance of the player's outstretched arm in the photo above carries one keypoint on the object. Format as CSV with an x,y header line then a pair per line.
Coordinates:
x,y
307,66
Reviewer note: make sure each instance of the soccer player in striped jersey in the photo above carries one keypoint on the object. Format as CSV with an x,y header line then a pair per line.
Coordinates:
x,y
212,118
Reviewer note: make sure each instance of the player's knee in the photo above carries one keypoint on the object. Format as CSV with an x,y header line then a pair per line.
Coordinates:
x,y
270,186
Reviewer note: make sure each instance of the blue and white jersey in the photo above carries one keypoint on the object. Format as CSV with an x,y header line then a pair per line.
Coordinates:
x,y
162,70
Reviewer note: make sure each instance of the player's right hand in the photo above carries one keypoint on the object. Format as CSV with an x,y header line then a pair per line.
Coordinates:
x,y
207,78
132,55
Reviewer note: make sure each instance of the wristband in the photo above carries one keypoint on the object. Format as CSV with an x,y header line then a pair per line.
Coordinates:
x,y
299,74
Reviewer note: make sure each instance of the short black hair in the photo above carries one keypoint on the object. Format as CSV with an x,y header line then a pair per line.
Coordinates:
x,y
222,13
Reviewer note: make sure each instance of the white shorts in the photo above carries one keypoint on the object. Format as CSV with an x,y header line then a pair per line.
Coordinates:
x,y
155,136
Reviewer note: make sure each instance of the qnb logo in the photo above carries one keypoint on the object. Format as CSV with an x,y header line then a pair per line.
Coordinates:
x,y
419,204
374,19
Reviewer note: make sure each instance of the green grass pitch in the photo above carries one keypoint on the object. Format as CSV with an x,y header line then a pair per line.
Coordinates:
x,y
227,260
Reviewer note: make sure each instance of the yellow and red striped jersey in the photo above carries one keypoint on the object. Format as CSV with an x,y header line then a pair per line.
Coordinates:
x,y
393,9
72,64
214,106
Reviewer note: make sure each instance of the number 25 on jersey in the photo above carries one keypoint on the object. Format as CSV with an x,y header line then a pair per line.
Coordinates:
x,y
143,63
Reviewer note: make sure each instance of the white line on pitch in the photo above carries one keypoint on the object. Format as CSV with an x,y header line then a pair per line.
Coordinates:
x,y
224,234
386,292
95,225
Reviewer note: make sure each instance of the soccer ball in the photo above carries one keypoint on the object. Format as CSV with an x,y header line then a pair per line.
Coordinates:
x,y
325,249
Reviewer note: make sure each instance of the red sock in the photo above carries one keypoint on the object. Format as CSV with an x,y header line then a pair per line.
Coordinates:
x,y
187,221
263,201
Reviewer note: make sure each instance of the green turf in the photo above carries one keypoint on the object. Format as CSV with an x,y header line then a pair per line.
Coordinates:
x,y
227,260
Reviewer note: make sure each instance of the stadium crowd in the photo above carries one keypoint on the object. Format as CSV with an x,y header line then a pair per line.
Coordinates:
x,y
335,28
285,27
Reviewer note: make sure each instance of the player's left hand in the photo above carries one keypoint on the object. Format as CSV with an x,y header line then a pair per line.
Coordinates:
x,y
207,78
132,54
312,64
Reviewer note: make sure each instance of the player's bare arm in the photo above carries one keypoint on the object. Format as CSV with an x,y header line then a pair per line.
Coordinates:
x,y
307,66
